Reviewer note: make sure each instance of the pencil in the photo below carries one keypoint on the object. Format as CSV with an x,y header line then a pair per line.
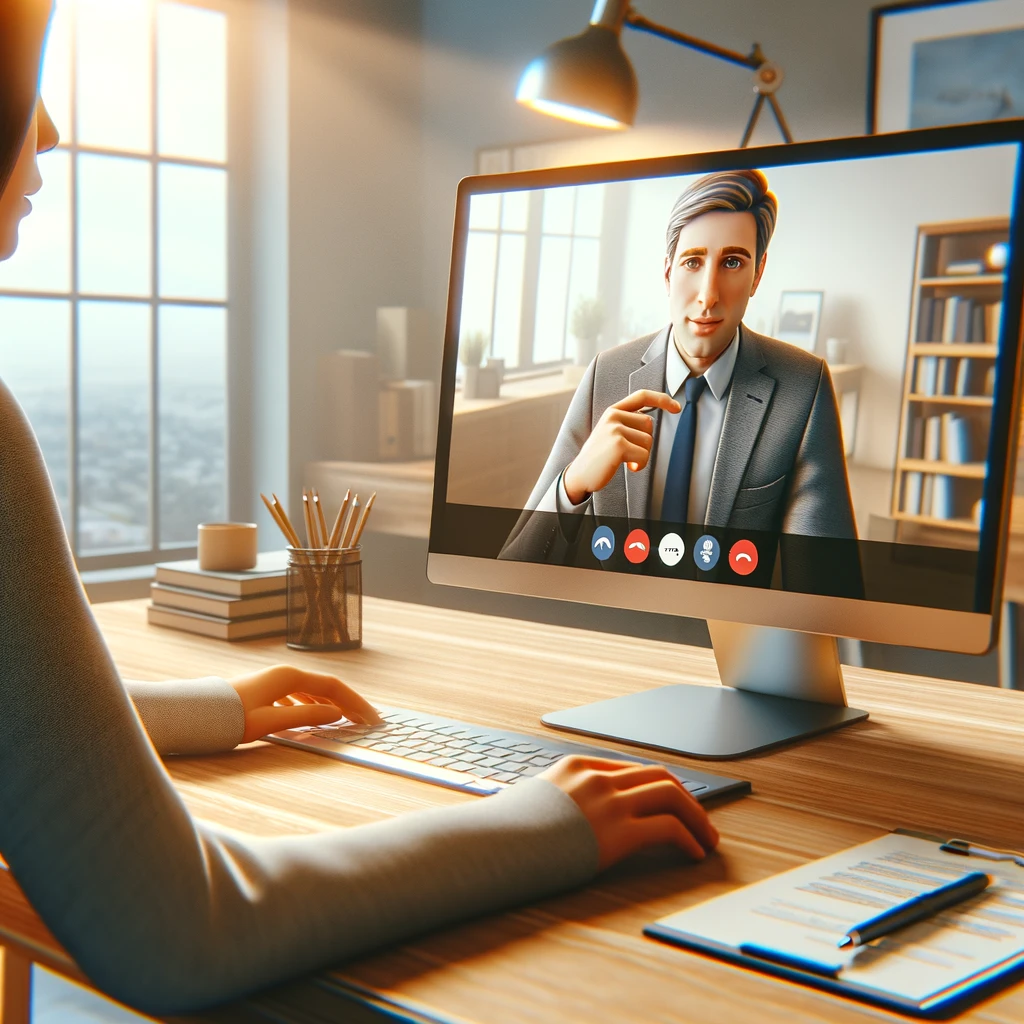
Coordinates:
x,y
351,524
340,521
321,521
291,534
362,521
307,511
277,519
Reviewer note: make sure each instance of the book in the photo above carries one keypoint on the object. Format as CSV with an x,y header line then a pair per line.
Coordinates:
x,y
912,494
221,606
956,439
942,497
993,322
962,326
964,377
927,375
937,320
933,438
946,376
949,319
915,442
219,629
963,268
925,311
927,488
977,323
267,577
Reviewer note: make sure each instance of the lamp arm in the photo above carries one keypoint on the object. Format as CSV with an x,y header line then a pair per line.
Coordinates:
x,y
637,21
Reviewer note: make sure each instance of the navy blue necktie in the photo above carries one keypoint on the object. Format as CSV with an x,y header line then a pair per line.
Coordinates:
x,y
680,464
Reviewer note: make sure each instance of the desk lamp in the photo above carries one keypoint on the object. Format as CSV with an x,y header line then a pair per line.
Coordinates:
x,y
588,78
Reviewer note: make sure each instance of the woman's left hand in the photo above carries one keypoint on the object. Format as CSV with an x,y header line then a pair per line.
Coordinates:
x,y
310,698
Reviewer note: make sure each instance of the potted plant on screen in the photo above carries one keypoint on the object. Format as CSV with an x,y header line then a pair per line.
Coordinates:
x,y
477,381
587,321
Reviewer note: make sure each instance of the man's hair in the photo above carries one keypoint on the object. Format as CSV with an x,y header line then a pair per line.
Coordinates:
x,y
734,191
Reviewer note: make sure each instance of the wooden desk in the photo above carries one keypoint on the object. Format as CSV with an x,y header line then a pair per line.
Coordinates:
x,y
935,756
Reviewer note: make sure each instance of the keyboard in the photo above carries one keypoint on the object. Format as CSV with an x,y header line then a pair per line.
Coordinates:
x,y
471,758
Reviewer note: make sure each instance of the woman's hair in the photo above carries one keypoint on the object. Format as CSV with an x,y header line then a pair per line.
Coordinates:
x,y
22,30
734,191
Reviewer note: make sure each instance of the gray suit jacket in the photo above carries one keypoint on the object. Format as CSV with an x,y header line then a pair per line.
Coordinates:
x,y
780,465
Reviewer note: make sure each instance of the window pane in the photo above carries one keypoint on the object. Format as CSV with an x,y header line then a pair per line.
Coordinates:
x,y
478,286
483,211
508,302
582,280
42,262
35,346
558,206
192,380
55,84
113,425
549,332
193,232
515,207
114,74
192,82
589,209
114,234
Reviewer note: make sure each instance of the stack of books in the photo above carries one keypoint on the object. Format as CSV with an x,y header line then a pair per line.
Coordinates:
x,y
224,605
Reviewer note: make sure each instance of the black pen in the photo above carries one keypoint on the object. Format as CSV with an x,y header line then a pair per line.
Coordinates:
x,y
917,908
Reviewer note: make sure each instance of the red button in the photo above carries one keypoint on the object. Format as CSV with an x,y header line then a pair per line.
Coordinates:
x,y
743,557
638,546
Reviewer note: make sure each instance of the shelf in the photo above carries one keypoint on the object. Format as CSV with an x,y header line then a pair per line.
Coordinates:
x,y
957,280
954,350
966,525
969,401
970,470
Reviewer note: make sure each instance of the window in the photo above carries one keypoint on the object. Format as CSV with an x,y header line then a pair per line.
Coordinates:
x,y
531,258
113,312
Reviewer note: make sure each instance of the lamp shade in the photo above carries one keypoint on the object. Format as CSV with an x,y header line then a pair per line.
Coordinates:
x,y
586,78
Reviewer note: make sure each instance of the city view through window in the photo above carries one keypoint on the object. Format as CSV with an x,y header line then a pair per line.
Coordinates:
x,y
113,312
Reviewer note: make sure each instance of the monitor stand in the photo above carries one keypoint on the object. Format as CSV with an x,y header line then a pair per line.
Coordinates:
x,y
778,686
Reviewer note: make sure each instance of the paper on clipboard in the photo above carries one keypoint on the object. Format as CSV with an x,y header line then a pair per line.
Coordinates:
x,y
804,912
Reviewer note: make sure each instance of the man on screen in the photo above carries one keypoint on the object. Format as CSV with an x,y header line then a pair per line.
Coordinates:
x,y
705,421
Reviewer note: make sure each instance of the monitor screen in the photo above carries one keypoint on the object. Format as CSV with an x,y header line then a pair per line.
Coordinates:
x,y
786,372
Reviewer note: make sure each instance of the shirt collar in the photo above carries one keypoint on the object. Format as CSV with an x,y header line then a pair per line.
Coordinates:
x,y
718,375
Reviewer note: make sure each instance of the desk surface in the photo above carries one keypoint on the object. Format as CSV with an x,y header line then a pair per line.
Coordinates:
x,y
935,756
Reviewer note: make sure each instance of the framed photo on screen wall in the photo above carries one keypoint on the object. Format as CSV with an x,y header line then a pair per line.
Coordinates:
x,y
798,319
942,62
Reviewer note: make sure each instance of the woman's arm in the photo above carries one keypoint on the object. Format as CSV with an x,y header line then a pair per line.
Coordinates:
x,y
166,913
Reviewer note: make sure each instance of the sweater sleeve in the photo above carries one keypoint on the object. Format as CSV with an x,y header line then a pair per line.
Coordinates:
x,y
189,716
169,914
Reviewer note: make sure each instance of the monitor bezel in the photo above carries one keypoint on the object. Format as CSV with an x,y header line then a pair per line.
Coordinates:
x,y
941,629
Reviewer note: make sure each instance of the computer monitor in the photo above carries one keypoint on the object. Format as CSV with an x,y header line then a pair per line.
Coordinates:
x,y
840,322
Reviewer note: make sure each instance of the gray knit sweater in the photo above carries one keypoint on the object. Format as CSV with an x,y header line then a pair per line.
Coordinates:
x,y
165,912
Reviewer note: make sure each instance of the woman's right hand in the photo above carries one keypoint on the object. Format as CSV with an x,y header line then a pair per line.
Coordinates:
x,y
633,806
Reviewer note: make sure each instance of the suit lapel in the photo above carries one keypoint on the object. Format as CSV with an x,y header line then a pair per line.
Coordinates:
x,y
650,375
749,396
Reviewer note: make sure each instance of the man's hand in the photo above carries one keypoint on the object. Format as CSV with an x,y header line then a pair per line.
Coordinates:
x,y
308,698
623,434
633,806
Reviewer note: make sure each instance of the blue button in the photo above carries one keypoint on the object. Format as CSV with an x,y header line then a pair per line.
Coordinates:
x,y
602,543
706,552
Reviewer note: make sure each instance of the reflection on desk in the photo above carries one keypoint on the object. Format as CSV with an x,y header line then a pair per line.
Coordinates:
x,y
935,757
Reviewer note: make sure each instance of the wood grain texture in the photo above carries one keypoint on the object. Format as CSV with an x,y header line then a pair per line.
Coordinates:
x,y
934,756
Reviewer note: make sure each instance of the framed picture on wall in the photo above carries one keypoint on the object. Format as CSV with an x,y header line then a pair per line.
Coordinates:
x,y
799,316
941,62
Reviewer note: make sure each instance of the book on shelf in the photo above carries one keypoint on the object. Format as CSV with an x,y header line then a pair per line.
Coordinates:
x,y
213,626
949,318
956,439
912,486
964,378
927,379
915,438
942,497
964,268
993,321
221,606
925,312
927,489
977,323
933,438
267,577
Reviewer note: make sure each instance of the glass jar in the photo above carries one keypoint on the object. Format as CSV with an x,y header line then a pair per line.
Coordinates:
x,y
325,599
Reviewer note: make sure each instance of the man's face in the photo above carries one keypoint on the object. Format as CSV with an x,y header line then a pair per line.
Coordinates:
x,y
709,281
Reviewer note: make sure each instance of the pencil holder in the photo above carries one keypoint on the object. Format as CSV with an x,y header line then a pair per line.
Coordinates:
x,y
325,599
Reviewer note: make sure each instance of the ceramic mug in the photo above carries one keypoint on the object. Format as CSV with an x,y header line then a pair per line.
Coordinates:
x,y
227,547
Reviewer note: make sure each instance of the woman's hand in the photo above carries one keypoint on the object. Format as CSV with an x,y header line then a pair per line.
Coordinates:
x,y
633,806
309,698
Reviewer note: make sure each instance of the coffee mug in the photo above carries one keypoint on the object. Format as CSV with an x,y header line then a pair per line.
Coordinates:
x,y
227,547
835,351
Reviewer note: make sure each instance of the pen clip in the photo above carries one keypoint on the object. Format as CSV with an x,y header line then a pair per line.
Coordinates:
x,y
796,963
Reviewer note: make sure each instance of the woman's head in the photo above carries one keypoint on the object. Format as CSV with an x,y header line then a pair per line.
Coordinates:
x,y
25,127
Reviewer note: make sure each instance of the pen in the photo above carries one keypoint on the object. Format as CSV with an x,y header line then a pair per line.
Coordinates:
x,y
966,849
916,909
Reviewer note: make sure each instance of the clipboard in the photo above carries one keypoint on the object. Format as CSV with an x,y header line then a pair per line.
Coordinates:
x,y
789,926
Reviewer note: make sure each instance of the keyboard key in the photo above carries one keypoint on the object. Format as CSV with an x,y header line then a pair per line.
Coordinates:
x,y
510,766
483,773
489,762
544,759
531,769
505,777
461,766
420,755
479,748
442,762
471,758
526,748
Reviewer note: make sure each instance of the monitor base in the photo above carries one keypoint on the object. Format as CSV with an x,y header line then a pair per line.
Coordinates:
x,y
781,686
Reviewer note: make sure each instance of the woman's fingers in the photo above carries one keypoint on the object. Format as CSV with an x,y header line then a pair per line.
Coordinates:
x,y
667,796
661,829
281,680
264,720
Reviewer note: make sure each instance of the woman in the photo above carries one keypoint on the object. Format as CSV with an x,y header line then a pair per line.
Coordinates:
x,y
162,911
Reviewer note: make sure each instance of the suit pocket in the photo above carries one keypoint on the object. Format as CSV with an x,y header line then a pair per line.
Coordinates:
x,y
752,497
